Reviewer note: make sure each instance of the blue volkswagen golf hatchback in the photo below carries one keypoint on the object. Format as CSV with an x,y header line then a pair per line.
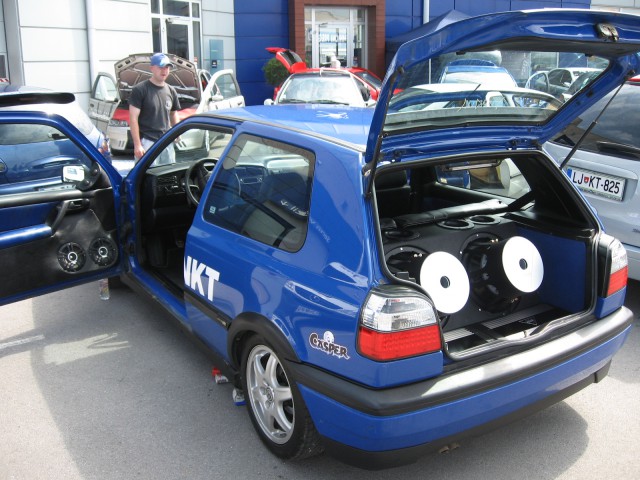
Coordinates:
x,y
378,282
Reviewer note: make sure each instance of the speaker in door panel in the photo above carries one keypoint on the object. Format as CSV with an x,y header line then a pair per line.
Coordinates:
x,y
444,278
502,270
103,252
71,257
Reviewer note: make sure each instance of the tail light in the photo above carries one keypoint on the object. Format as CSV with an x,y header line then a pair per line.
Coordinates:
x,y
612,276
613,266
397,322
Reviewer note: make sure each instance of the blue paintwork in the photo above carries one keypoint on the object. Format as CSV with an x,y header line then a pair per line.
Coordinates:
x,y
323,286
21,235
604,306
379,433
466,35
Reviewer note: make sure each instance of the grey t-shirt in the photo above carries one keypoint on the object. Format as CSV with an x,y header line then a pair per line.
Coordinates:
x,y
155,104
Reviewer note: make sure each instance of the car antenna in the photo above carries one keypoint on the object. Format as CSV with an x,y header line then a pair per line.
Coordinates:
x,y
593,124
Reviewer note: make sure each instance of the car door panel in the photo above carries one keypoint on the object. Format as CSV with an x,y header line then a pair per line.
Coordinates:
x,y
55,231
104,100
68,236
222,92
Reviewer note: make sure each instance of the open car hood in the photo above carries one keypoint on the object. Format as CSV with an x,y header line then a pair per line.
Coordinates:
x,y
414,121
137,67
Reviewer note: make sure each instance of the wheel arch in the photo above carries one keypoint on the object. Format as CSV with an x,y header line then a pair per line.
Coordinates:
x,y
251,323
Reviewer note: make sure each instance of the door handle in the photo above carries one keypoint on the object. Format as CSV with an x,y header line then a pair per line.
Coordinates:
x,y
66,206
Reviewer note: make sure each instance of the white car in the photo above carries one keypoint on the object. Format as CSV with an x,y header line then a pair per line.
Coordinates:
x,y
323,86
442,95
198,91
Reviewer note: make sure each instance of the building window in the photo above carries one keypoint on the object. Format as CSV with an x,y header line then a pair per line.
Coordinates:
x,y
176,28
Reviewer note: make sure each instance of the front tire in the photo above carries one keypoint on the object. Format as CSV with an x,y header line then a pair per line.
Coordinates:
x,y
275,404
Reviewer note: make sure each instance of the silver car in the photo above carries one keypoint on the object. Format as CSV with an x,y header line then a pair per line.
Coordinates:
x,y
606,165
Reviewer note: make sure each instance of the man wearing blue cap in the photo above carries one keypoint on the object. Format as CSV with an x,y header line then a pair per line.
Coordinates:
x,y
153,109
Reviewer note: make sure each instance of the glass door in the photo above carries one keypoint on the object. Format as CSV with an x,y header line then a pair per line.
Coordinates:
x,y
335,33
175,27
178,38
333,49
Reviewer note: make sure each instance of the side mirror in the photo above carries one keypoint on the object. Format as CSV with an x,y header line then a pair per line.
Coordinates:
x,y
72,174
81,177
269,101
217,98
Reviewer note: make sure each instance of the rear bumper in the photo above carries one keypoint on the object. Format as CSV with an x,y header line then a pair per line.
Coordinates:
x,y
382,428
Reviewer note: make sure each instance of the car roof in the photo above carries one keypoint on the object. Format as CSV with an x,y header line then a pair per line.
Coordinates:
x,y
348,126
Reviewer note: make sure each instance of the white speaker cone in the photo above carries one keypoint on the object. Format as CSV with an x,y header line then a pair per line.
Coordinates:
x,y
522,264
444,278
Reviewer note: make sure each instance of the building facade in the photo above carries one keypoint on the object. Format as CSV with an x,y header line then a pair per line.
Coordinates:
x,y
63,44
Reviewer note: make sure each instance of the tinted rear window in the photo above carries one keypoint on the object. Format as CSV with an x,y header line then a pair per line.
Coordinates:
x,y
616,128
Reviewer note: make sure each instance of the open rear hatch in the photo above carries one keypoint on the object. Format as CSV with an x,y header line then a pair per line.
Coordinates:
x,y
470,210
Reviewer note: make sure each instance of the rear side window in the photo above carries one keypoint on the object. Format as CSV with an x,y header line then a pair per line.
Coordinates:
x,y
610,136
263,192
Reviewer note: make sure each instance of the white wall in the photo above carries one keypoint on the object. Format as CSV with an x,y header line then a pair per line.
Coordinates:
x,y
121,27
52,40
624,6
217,23
63,44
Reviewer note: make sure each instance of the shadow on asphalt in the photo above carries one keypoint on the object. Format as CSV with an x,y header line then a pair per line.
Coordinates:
x,y
132,397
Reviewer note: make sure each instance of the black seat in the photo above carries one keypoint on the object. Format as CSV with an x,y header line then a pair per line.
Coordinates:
x,y
281,218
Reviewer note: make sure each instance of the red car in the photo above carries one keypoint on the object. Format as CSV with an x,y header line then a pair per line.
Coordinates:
x,y
295,64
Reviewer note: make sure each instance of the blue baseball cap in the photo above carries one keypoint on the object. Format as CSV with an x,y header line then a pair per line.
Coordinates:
x,y
160,60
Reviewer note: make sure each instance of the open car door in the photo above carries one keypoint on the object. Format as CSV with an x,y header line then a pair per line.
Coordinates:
x,y
103,101
221,92
58,218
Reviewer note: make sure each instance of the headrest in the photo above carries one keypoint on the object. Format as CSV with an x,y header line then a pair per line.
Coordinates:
x,y
289,191
394,179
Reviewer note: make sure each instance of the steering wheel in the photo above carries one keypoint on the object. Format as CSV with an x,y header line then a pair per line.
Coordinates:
x,y
196,178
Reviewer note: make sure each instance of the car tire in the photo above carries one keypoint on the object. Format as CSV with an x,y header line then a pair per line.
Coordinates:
x,y
275,405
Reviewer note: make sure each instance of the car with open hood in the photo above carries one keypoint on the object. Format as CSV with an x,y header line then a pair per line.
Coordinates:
x,y
377,282
198,91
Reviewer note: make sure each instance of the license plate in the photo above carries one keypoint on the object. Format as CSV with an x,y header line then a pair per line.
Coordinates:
x,y
603,185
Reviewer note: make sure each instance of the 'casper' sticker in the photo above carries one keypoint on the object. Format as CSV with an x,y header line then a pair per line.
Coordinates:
x,y
328,345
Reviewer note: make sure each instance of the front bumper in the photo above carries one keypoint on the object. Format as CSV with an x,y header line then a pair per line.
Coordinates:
x,y
381,428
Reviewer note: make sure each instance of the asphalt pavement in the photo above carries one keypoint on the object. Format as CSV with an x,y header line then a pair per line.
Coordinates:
x,y
95,389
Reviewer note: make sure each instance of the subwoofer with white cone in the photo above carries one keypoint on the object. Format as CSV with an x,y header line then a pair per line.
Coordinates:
x,y
445,279
501,271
